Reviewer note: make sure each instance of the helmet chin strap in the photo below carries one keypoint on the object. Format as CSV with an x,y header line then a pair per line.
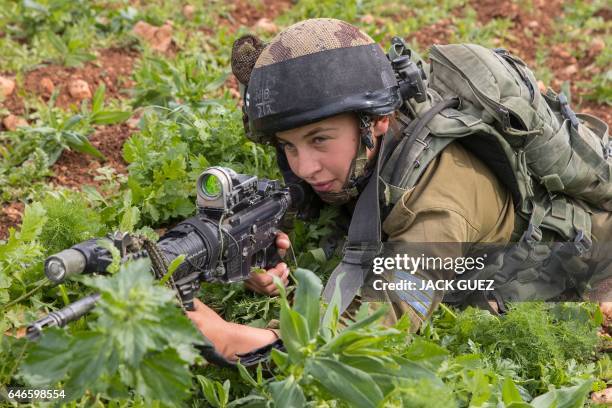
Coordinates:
x,y
358,172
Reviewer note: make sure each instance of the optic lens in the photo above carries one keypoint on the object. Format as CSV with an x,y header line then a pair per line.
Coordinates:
x,y
211,186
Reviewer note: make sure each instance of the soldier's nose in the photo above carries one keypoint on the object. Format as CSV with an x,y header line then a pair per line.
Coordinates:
x,y
307,167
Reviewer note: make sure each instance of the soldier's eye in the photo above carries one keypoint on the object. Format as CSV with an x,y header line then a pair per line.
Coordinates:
x,y
287,147
318,140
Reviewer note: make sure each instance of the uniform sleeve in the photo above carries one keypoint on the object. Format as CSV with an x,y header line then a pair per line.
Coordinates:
x,y
457,200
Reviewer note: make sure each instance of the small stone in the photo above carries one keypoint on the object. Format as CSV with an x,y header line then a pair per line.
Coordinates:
x,y
12,122
159,38
606,309
533,24
603,396
597,46
570,70
144,30
162,38
7,86
367,19
188,11
564,54
46,86
79,89
541,86
266,25
134,121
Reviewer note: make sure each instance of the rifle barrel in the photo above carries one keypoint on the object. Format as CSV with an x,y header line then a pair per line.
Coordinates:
x,y
63,316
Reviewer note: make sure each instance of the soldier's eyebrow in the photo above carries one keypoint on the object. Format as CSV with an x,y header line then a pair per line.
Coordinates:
x,y
311,132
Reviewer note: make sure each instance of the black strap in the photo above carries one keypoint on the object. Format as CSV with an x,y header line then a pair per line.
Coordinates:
x,y
364,241
364,235
250,358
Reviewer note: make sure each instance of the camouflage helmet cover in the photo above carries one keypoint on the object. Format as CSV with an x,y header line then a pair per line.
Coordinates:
x,y
315,69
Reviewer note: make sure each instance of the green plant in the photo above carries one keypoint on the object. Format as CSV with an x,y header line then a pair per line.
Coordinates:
x,y
167,155
140,341
69,221
30,151
71,52
185,81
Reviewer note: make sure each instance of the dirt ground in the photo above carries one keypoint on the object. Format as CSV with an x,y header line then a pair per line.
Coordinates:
x,y
113,68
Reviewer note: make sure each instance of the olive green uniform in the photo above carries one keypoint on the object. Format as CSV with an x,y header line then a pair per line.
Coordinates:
x,y
458,199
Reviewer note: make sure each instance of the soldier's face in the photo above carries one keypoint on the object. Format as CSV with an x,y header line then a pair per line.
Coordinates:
x,y
321,153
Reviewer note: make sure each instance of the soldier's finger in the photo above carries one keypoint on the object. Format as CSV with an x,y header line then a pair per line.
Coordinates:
x,y
272,290
261,279
282,240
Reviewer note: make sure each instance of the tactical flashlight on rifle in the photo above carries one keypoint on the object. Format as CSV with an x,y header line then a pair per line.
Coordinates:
x,y
234,230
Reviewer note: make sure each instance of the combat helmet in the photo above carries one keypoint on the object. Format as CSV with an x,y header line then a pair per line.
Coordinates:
x,y
315,69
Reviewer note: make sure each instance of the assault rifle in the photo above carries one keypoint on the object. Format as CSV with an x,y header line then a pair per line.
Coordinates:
x,y
234,229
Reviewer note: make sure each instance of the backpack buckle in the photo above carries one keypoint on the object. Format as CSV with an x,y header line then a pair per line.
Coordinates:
x,y
533,234
608,150
567,112
582,243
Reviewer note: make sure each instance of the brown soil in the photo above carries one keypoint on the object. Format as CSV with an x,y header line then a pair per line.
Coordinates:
x,y
528,27
246,13
74,169
438,33
10,216
13,103
113,68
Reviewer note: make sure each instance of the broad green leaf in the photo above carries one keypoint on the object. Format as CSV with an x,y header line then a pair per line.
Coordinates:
x,y
307,297
294,331
246,376
97,101
91,357
71,122
34,219
164,377
288,393
426,353
510,393
48,360
330,318
109,117
176,262
129,220
81,144
347,383
209,391
57,43
569,397
279,358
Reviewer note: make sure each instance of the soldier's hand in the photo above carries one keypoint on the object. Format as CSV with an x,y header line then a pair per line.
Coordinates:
x,y
263,282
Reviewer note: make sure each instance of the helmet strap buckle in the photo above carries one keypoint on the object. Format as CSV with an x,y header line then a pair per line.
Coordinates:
x,y
365,130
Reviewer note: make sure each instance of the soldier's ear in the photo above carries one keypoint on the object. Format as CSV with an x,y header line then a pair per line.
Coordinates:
x,y
380,126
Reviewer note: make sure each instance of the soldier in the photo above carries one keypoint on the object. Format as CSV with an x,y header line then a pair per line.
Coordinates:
x,y
325,94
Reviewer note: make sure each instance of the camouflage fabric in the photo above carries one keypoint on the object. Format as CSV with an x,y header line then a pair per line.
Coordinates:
x,y
245,52
309,37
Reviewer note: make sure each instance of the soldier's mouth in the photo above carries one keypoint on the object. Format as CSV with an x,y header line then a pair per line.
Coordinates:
x,y
326,186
